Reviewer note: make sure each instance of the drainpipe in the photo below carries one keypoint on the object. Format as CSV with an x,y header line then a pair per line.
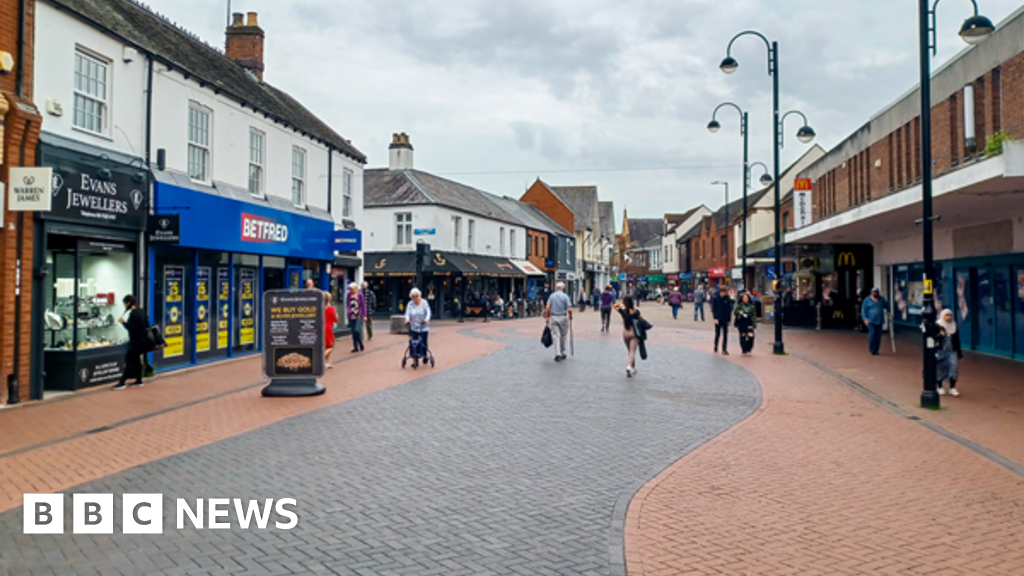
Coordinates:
x,y
13,384
330,178
142,252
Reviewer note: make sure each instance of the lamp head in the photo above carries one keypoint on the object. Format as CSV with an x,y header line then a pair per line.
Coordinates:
x,y
976,29
714,126
805,134
766,179
729,65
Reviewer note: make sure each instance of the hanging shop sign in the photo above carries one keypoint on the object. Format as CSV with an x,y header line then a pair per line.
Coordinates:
x,y
174,311
203,312
293,334
247,325
163,229
31,189
802,208
223,306
348,240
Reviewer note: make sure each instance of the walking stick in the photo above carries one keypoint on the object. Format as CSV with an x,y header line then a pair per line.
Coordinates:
x,y
572,345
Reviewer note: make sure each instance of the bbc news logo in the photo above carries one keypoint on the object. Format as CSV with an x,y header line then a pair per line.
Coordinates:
x,y
144,513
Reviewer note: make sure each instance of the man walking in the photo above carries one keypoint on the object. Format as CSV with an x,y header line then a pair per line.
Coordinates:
x,y
675,299
698,303
721,313
371,307
873,313
558,313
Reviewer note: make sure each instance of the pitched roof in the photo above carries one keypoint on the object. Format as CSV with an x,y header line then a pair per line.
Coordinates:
x,y
641,230
606,218
677,220
736,208
530,216
383,187
183,51
582,200
693,232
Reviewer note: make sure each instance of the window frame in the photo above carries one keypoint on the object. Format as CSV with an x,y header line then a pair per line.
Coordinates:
x,y
259,166
501,240
104,103
347,176
457,232
512,242
403,224
206,148
300,179
470,235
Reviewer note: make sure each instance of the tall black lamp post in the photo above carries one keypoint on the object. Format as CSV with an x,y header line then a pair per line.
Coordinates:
x,y
974,30
766,180
805,134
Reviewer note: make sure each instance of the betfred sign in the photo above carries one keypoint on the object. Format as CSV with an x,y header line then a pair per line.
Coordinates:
x,y
263,230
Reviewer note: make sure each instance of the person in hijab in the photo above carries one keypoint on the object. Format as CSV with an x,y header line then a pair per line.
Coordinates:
x,y
949,354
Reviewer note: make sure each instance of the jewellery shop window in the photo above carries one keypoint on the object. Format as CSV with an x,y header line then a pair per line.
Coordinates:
x,y
90,278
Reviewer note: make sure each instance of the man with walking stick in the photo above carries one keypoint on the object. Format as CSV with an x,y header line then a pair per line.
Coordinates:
x,y
558,313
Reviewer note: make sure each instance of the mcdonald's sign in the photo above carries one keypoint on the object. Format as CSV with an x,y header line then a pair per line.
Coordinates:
x,y
846,259
837,315
802,184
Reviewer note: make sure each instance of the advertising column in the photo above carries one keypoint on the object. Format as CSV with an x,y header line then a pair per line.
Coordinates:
x,y
223,306
247,326
202,309
174,311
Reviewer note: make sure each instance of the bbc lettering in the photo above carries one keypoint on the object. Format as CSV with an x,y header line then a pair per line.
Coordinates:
x,y
144,513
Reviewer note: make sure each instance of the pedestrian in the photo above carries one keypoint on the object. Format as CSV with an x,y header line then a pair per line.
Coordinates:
x,y
607,300
746,322
676,300
355,309
138,343
595,297
873,313
949,354
558,314
330,319
698,303
310,285
721,313
417,317
583,299
371,307
630,314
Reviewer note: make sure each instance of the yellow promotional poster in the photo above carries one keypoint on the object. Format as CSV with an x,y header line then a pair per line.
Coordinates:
x,y
247,325
202,309
223,306
174,311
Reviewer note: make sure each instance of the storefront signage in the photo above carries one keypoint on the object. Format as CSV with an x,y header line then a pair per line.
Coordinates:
x,y
293,334
718,272
247,326
424,232
263,230
802,208
223,306
348,240
174,311
203,312
101,246
31,189
801,184
622,276
81,194
164,229
737,273
99,370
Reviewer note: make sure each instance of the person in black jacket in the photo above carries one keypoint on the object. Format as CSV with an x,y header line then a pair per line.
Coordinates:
x,y
137,324
721,311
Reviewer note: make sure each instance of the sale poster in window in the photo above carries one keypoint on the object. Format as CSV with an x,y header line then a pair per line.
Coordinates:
x,y
174,311
247,326
202,309
223,306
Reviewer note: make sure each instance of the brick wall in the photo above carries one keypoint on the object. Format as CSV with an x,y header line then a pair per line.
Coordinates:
x,y
538,248
538,195
706,248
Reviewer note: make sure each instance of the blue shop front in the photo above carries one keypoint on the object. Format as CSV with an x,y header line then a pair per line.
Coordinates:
x,y
207,281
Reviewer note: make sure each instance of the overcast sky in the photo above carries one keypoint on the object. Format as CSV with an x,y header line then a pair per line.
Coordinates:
x,y
615,93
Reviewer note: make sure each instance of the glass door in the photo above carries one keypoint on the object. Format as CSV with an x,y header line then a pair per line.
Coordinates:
x,y
986,311
1019,315
964,318
994,310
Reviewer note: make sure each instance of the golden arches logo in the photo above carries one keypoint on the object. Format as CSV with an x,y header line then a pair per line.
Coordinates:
x,y
837,315
847,259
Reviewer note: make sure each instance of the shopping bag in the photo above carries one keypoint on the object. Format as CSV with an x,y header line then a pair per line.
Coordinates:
x,y
546,338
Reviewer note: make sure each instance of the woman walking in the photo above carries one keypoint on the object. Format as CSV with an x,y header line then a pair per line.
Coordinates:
x,y
355,309
330,319
138,343
949,354
746,322
417,317
630,314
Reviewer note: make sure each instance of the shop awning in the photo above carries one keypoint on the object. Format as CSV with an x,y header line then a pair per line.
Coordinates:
x,y
385,264
528,268
471,265
346,261
381,264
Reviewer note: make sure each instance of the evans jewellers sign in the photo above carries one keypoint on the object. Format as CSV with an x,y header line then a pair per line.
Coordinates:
x,y
80,196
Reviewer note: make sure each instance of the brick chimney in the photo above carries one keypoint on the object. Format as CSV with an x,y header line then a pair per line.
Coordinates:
x,y
244,43
400,152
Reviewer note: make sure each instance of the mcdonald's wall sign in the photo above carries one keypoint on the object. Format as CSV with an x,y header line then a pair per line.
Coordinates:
x,y
853,256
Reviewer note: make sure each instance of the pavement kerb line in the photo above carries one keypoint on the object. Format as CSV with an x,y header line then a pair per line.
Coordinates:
x,y
900,411
166,410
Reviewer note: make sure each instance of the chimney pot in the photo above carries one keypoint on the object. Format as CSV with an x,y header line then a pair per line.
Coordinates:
x,y
251,19
400,152
236,19
244,43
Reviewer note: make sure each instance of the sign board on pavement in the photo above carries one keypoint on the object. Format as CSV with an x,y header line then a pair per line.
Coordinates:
x,y
293,342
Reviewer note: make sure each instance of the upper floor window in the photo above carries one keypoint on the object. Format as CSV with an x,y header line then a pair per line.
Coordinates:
x,y
198,142
470,233
501,240
346,193
457,232
725,245
91,94
403,229
298,176
256,153
512,243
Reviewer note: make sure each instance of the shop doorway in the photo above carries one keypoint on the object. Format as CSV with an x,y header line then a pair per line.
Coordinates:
x,y
995,312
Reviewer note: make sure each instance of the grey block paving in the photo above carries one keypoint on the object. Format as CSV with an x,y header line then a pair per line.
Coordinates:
x,y
511,464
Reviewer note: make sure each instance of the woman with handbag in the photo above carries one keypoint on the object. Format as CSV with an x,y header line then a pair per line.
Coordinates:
x,y
355,306
633,332
746,322
138,342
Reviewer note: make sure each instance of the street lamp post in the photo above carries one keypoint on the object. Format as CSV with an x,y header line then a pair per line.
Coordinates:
x,y
729,65
974,30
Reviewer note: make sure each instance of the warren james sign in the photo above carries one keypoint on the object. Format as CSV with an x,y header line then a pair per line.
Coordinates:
x,y
30,189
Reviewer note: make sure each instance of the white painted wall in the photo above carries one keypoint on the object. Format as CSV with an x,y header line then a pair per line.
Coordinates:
x,y
379,231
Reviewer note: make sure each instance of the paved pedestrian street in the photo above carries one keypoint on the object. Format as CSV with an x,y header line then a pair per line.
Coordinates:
x,y
502,461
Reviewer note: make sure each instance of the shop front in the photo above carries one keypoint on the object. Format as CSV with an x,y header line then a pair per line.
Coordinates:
x,y
87,260
206,289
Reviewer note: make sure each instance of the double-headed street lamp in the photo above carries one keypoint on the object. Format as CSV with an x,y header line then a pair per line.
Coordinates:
x,y
805,134
974,30
714,127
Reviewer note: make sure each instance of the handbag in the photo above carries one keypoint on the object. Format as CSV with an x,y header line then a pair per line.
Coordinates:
x,y
154,338
546,338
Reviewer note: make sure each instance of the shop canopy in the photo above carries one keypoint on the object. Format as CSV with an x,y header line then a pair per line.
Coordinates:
x,y
528,268
387,264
